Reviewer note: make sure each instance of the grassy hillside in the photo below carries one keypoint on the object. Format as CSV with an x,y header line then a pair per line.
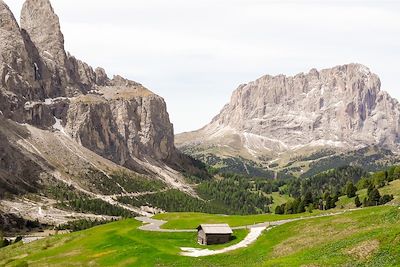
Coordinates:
x,y
367,237
278,200
392,189
302,163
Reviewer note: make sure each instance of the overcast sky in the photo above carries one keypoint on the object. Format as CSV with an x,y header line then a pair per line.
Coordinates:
x,y
195,53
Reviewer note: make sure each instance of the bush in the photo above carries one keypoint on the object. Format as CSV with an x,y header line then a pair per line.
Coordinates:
x,y
278,210
363,183
350,190
18,239
374,197
357,202
4,243
385,199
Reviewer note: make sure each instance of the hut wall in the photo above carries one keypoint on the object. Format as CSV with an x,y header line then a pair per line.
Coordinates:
x,y
218,239
201,237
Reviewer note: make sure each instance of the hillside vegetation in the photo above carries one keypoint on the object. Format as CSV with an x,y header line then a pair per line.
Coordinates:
x,y
191,220
235,194
367,237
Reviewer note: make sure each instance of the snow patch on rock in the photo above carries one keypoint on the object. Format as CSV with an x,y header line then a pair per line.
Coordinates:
x,y
58,126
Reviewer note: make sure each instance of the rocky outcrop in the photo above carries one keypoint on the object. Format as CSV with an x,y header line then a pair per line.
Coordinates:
x,y
43,26
122,123
60,73
342,107
44,86
17,83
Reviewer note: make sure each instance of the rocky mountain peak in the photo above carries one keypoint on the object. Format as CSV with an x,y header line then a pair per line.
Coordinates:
x,y
43,26
340,107
7,20
17,83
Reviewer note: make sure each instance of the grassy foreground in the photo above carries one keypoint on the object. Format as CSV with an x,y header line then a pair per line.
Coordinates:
x,y
367,237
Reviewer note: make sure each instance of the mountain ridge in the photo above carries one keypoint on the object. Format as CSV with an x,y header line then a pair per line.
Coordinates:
x,y
64,125
342,108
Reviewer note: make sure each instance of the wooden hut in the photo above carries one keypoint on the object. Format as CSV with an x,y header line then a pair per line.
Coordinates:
x,y
210,234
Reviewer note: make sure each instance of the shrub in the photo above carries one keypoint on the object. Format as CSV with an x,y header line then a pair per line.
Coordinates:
x,y
357,202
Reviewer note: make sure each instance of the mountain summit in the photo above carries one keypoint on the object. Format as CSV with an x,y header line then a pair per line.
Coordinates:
x,y
55,110
338,108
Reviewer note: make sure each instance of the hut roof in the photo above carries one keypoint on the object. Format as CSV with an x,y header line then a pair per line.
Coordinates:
x,y
215,228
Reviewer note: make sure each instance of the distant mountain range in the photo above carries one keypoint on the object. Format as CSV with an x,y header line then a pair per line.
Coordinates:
x,y
275,121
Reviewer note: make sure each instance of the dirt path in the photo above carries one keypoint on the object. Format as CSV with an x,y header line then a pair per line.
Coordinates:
x,y
255,232
138,194
154,225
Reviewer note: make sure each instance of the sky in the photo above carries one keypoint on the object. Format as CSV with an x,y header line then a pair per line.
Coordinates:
x,y
196,53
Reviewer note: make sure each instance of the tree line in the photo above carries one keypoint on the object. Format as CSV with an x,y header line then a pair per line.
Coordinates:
x,y
96,206
323,190
82,224
238,193
174,200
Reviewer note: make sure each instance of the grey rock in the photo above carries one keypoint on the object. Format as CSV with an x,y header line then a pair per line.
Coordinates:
x,y
43,26
342,107
42,84
122,123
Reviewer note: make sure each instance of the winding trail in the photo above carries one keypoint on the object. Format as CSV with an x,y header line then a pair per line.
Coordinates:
x,y
154,225
256,230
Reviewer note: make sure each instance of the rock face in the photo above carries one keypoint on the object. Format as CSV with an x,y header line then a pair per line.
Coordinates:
x,y
16,73
43,26
342,107
122,123
19,171
43,85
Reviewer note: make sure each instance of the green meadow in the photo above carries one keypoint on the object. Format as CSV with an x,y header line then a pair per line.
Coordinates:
x,y
366,237
190,220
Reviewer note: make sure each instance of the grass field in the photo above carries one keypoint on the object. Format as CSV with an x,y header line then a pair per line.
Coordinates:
x,y
367,237
190,220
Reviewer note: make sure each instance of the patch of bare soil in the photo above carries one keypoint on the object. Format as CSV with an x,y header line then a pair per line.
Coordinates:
x,y
364,250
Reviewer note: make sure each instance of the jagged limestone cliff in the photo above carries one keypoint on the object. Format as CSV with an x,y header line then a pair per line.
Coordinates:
x,y
45,87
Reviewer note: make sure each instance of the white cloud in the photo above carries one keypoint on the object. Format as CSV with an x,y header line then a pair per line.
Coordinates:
x,y
195,53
